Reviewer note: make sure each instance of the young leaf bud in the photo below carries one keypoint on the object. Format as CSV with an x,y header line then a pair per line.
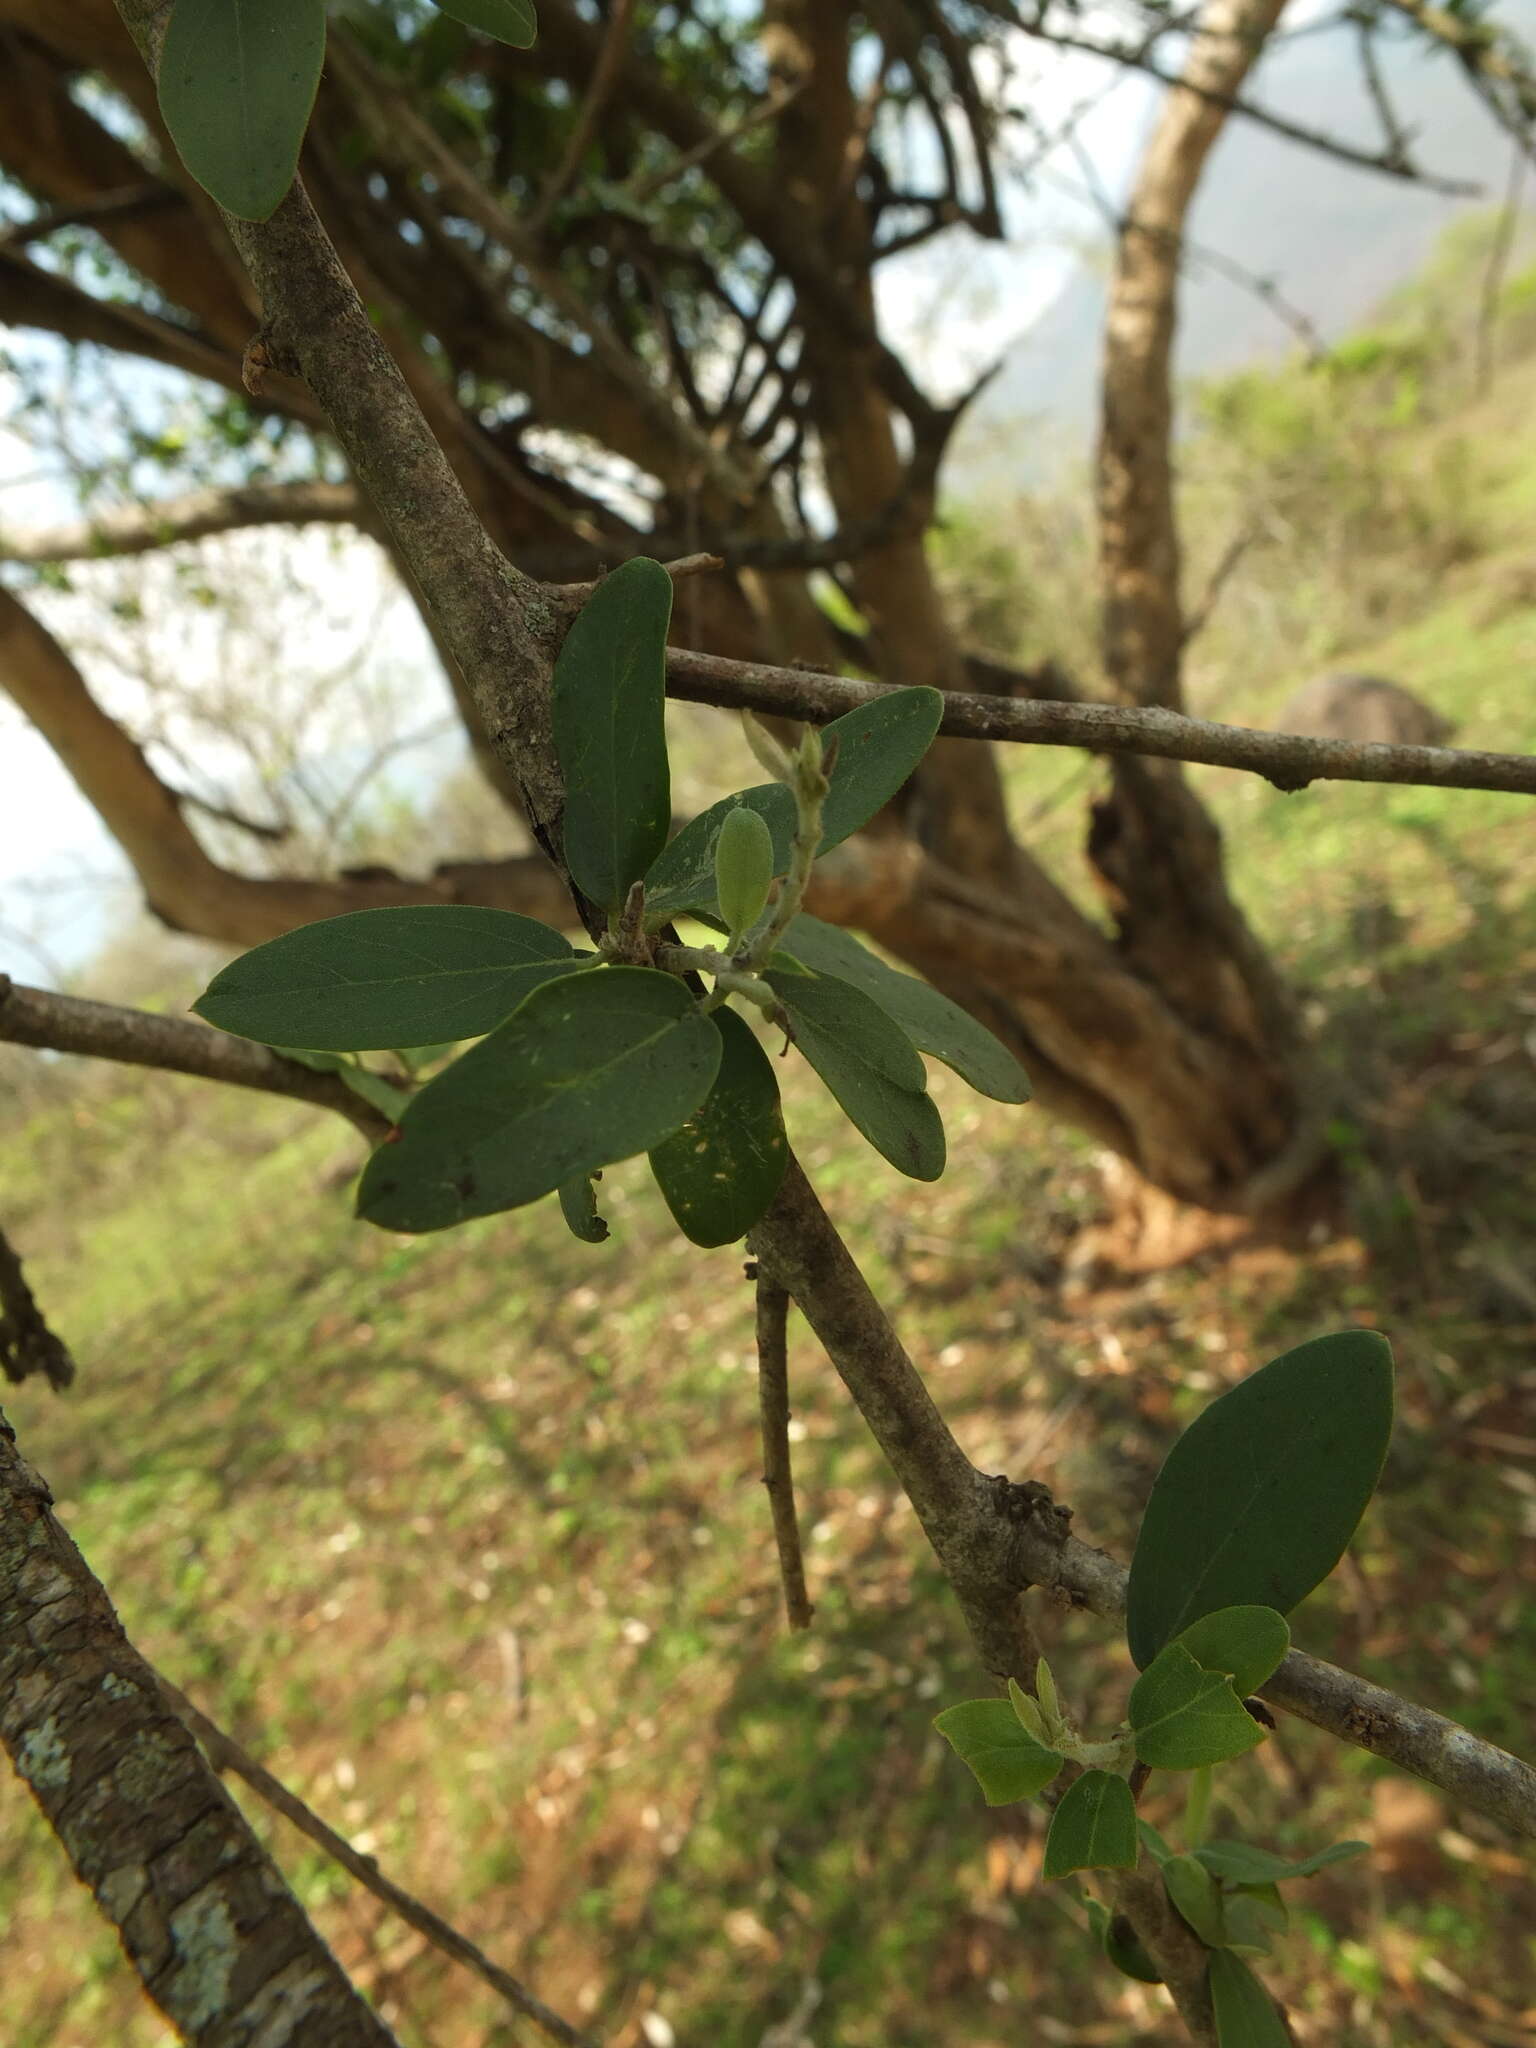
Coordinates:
x,y
743,867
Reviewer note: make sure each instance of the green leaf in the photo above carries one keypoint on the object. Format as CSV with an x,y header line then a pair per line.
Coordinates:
x,y
1247,1643
377,979
1007,1761
722,1168
237,82
869,1065
578,1205
931,1021
878,746
1258,1499
1122,1946
509,21
743,867
1247,1918
609,696
1194,1892
1238,1863
1185,1716
1245,2012
1094,1827
384,1095
590,1070
1153,1842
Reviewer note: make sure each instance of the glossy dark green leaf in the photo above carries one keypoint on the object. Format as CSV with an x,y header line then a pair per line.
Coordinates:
x,y
1195,1893
1240,1864
869,1065
237,81
377,979
930,1020
609,695
1247,1643
878,746
1259,1497
1245,2013
578,1205
509,21
1008,1763
1094,1827
1185,1716
722,1168
591,1069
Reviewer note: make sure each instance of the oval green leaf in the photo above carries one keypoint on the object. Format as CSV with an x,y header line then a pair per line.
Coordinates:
x,y
930,1020
1185,1716
878,746
1238,1863
1244,2011
377,979
1007,1761
1247,1643
509,21
590,1070
1094,1827
237,81
1256,1502
1194,1892
609,694
869,1065
578,1205
743,867
719,1171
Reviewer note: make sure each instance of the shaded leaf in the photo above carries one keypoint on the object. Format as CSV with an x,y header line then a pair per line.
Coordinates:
x,y
375,980
1184,1716
1247,1643
509,21
607,707
1238,1863
237,81
930,1020
590,1070
869,1065
1245,2013
1259,1497
1247,1919
578,1205
1007,1761
1194,1892
1094,1827
719,1171
385,1097
1121,1944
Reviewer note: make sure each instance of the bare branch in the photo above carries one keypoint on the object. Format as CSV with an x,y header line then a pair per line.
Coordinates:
x,y
138,529
27,1345
599,89
778,1473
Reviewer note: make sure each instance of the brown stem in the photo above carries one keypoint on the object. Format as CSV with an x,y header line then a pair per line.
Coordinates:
x,y
27,1345
778,1475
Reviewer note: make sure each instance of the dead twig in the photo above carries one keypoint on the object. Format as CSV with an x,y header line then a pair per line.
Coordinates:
x,y
773,1404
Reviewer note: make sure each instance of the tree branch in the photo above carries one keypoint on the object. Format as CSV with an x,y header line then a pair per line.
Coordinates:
x,y
778,1472
137,529
27,1344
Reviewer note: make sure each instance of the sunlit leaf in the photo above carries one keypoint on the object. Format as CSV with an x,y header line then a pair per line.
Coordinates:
x,y
1008,1763
1185,1716
1247,1643
1094,1827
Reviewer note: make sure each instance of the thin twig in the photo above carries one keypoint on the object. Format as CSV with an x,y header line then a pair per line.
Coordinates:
x,y
226,1755
773,1403
600,86
27,1344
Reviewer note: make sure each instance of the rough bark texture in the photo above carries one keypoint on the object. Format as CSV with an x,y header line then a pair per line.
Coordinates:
x,y
217,1939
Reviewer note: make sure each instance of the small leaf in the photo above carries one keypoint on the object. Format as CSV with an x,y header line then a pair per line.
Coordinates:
x,y
1245,2013
1256,1502
1094,1827
878,746
933,1023
722,1168
237,81
609,696
509,21
1185,1716
1247,1643
1122,1946
1238,1863
743,867
377,979
1153,1842
384,1095
1007,1761
869,1065
590,1070
1193,1891
1031,1718
578,1205
1246,1921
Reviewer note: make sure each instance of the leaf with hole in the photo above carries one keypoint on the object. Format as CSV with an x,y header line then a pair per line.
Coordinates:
x,y
237,81
1239,1864
1184,1716
1244,2011
1247,1643
590,1070
933,1023
1007,1761
1256,1502
610,735
377,979
878,746
509,21
719,1171
869,1065
578,1205
1094,1827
